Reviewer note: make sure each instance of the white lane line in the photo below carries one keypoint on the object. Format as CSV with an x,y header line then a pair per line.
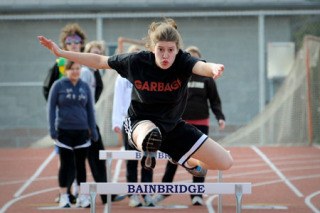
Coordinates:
x,y
277,171
309,203
12,201
305,177
209,203
264,207
35,175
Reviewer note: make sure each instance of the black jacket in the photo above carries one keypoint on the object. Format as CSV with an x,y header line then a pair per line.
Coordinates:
x,y
52,76
200,91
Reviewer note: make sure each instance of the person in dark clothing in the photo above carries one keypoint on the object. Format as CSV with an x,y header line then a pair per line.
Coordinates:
x,y
201,91
160,77
93,78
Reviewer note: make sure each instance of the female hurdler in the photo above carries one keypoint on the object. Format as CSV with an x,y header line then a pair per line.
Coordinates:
x,y
160,77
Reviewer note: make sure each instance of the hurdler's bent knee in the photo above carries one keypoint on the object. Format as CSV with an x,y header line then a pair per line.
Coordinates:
x,y
149,139
141,131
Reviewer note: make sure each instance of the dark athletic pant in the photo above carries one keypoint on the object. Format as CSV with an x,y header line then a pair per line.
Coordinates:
x,y
72,165
97,166
72,161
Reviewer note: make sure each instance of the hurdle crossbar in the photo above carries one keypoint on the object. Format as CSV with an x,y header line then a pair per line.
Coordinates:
x,y
128,155
164,188
238,189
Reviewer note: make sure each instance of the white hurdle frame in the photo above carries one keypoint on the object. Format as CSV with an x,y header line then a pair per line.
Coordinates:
x,y
167,188
108,188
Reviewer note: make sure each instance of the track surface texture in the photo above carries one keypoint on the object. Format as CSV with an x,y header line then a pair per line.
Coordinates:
x,y
284,179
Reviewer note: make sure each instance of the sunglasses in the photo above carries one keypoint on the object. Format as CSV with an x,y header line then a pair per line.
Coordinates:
x,y
75,39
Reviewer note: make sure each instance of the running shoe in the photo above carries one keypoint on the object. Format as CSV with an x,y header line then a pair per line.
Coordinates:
x,y
197,171
72,199
64,201
158,198
197,201
134,201
150,146
83,201
116,198
148,201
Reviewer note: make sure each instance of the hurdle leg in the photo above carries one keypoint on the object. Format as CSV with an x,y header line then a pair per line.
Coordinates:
x,y
93,195
220,195
238,190
109,164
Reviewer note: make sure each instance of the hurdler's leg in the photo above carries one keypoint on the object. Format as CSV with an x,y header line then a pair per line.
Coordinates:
x,y
212,156
147,138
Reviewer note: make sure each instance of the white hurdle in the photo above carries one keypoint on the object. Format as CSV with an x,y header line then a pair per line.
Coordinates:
x,y
92,188
168,188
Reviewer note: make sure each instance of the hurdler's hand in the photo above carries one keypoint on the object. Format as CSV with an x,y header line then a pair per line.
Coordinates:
x,y
217,70
49,44
117,129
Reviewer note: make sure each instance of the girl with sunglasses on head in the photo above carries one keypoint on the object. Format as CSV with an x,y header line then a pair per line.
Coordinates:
x,y
160,77
72,38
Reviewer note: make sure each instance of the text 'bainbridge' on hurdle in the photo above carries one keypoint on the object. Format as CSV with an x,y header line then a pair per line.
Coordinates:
x,y
166,188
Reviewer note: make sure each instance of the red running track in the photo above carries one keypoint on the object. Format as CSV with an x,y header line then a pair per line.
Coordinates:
x,y
284,179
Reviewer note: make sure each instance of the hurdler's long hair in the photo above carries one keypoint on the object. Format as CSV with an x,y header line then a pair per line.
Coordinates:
x,y
165,30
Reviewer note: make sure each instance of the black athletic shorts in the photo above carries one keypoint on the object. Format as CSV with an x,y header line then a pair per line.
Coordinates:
x,y
180,143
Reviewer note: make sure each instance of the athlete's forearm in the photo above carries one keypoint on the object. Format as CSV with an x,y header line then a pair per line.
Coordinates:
x,y
88,59
208,69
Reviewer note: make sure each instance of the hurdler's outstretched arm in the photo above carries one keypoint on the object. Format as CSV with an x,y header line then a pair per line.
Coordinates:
x,y
88,59
208,69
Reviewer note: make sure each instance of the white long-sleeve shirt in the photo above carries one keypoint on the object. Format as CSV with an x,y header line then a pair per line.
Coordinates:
x,y
88,77
121,101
